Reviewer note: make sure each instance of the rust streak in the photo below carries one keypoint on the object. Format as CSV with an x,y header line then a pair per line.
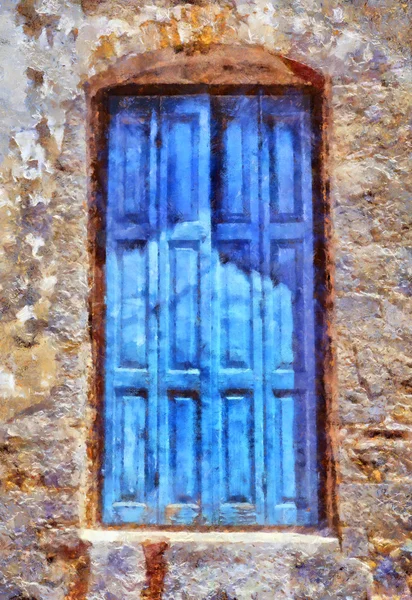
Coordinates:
x,y
156,568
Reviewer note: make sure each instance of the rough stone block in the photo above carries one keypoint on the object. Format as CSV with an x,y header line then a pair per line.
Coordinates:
x,y
118,571
384,507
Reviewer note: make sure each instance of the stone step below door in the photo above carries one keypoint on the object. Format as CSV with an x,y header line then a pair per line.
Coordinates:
x,y
221,566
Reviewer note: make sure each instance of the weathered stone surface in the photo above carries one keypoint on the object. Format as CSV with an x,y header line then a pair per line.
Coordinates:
x,y
359,502
261,572
49,49
118,571
355,542
366,457
286,566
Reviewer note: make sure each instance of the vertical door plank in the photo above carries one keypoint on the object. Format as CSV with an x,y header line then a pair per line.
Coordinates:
x,y
237,308
131,328
184,305
289,311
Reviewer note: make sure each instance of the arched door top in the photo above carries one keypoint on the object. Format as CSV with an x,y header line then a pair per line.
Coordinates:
x,y
219,65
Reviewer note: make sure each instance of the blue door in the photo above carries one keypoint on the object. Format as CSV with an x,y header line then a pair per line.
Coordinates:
x,y
209,397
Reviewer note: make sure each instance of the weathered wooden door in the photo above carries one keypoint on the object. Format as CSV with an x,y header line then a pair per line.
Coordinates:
x,y
209,407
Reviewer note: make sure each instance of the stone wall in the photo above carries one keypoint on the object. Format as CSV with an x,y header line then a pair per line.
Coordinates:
x,y
49,50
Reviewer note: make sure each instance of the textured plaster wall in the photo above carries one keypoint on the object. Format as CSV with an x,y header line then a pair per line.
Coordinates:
x,y
48,50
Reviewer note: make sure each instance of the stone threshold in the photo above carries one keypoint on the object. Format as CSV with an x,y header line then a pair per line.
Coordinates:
x,y
279,540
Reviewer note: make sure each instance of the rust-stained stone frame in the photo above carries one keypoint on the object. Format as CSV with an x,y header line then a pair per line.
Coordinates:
x,y
213,69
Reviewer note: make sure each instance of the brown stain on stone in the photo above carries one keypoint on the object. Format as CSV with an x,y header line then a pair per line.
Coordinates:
x,y
77,557
156,569
106,48
46,140
34,22
79,585
169,34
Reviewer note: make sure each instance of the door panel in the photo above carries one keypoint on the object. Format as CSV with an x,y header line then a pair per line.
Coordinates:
x,y
238,445
184,457
134,298
180,146
235,307
135,176
184,305
134,450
